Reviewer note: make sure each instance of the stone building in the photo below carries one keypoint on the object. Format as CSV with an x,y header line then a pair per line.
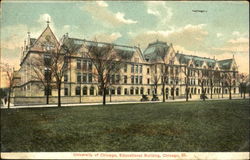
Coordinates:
x,y
142,74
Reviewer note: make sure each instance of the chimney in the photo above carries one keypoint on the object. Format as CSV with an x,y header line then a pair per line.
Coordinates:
x,y
28,39
24,45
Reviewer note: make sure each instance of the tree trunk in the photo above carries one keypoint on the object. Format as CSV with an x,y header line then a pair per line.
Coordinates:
x,y
9,97
244,94
230,94
47,94
203,92
47,97
222,91
110,95
163,92
104,96
211,94
187,92
173,92
59,95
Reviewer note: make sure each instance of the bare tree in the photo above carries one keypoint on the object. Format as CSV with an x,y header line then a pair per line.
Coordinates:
x,y
107,61
212,80
229,82
243,84
174,78
10,77
185,69
202,81
41,67
155,80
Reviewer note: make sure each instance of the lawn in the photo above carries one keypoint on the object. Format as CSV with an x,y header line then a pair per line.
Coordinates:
x,y
162,127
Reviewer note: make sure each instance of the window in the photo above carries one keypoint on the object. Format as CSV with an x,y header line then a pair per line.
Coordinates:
x,y
140,79
47,90
136,68
125,79
177,91
90,77
140,68
119,90
84,78
172,91
234,90
132,79
47,60
90,66
78,90
84,65
117,78
112,91
84,90
91,91
113,79
142,90
148,81
132,68
136,79
125,68
132,91
65,91
137,90
78,64
65,78
47,75
126,91
78,78
147,70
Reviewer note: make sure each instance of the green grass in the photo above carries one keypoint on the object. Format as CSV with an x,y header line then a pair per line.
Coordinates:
x,y
164,127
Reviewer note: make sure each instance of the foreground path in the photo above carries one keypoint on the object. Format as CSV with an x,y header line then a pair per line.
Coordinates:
x,y
109,103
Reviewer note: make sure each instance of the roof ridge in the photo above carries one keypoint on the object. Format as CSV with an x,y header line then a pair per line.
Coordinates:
x,y
104,43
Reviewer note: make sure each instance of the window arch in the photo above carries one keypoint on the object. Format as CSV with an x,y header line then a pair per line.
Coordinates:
x,y
84,90
142,90
119,90
131,90
177,92
78,90
91,90
137,90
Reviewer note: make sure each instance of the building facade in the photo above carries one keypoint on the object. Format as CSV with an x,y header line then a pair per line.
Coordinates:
x,y
144,73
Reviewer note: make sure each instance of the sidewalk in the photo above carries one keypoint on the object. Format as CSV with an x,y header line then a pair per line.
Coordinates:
x,y
109,103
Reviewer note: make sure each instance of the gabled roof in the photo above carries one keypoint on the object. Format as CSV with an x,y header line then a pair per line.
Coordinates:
x,y
198,61
226,63
124,51
156,51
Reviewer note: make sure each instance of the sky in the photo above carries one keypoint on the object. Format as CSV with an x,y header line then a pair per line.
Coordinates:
x,y
222,31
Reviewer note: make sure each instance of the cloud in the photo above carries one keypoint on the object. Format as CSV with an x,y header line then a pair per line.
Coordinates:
x,y
240,45
101,12
102,3
161,11
103,37
189,36
218,35
120,17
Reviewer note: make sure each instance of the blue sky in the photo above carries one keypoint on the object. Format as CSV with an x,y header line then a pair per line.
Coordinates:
x,y
220,32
